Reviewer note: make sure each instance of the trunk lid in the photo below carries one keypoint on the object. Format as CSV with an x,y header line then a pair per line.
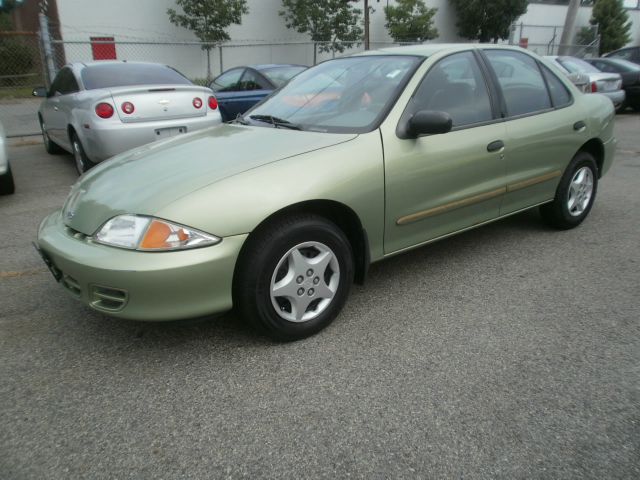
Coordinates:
x,y
158,102
607,82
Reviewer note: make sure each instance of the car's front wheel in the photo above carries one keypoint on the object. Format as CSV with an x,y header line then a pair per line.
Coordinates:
x,y
294,277
575,194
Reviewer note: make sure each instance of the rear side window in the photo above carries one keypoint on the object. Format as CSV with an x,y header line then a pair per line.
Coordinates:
x,y
228,81
560,95
64,83
110,75
251,81
522,84
455,85
281,75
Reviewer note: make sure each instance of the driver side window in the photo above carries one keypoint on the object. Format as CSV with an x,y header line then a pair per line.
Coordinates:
x,y
455,85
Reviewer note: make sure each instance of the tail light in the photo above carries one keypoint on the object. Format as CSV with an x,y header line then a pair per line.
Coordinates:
x,y
104,110
594,87
213,102
197,102
128,108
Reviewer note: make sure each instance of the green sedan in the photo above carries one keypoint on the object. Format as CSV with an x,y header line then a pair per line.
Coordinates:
x,y
355,160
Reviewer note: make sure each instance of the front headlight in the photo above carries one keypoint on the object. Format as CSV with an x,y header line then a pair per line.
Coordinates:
x,y
151,234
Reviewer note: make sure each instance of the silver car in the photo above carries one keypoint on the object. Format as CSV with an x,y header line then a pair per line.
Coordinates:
x,y
608,84
97,110
6,178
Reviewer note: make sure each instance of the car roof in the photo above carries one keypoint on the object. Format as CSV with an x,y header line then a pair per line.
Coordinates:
x,y
429,49
268,66
113,62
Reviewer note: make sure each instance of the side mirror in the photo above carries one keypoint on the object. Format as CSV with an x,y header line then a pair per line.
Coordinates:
x,y
429,122
39,92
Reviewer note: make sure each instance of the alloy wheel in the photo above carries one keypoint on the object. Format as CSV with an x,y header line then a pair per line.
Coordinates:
x,y
305,282
580,191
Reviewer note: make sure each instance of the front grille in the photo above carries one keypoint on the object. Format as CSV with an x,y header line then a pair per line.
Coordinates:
x,y
71,284
108,299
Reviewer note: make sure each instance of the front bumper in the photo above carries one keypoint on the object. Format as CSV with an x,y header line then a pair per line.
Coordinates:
x,y
103,140
141,285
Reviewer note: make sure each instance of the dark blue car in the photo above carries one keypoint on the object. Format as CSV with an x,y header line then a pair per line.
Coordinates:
x,y
240,88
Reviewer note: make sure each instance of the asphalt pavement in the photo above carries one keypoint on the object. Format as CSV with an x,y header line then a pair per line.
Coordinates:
x,y
510,351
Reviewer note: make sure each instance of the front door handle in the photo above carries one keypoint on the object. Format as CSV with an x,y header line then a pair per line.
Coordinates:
x,y
495,146
579,126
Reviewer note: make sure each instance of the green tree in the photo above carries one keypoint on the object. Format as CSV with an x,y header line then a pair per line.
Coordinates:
x,y
487,20
613,24
209,19
410,21
334,25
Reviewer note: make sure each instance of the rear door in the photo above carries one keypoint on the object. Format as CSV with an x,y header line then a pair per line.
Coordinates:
x,y
544,128
227,90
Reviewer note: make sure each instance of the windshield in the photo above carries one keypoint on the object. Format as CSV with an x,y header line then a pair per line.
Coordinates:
x,y
347,95
281,75
575,65
123,74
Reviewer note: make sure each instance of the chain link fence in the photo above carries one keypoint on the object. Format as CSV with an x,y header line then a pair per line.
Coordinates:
x,y
546,40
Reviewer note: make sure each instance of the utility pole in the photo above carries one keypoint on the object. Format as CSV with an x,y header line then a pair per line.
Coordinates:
x,y
366,24
569,24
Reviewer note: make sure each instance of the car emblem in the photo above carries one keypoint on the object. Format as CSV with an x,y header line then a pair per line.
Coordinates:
x,y
72,202
164,104
70,214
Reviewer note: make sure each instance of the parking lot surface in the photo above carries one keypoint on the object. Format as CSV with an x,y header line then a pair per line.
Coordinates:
x,y
510,351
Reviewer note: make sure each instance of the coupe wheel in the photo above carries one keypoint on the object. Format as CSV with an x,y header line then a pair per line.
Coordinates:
x,y
51,147
575,193
81,160
294,277
7,187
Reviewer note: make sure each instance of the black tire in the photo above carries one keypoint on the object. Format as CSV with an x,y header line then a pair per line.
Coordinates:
x,y
557,212
51,147
256,269
80,158
7,186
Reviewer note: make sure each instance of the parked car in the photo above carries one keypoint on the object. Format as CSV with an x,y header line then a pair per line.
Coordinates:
x,y
277,213
631,54
97,110
608,84
7,186
630,73
240,88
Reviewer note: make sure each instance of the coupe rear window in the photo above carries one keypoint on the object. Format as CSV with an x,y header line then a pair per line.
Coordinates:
x,y
129,74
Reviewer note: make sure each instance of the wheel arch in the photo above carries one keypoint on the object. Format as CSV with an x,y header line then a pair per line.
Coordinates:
x,y
342,215
596,148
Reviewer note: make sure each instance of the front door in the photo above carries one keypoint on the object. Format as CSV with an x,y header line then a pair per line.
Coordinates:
x,y
439,184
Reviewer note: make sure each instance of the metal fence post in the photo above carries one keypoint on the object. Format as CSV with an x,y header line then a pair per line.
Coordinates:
x,y
221,64
45,39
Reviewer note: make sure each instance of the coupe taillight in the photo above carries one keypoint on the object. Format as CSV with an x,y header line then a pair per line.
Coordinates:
x,y
128,108
594,87
197,102
104,110
213,102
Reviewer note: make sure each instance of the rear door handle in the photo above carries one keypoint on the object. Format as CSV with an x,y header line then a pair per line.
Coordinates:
x,y
495,146
579,126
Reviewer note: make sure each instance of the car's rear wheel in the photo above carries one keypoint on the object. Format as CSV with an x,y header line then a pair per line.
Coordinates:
x,y
51,147
7,187
575,194
79,156
294,277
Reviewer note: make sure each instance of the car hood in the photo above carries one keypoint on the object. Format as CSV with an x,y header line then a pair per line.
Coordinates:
x,y
144,180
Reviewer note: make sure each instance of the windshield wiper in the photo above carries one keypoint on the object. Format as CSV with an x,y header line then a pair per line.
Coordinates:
x,y
275,121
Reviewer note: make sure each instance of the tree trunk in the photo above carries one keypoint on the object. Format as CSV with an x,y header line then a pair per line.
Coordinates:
x,y
366,24
315,53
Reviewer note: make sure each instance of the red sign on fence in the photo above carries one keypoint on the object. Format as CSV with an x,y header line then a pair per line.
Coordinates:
x,y
103,48
524,42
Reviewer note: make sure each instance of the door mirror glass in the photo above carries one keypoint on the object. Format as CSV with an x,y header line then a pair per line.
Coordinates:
x,y
39,92
429,122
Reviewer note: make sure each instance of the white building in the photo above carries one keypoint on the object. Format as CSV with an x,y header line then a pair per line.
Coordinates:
x,y
263,36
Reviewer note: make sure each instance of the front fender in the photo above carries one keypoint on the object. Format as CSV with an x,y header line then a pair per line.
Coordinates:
x,y
351,173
